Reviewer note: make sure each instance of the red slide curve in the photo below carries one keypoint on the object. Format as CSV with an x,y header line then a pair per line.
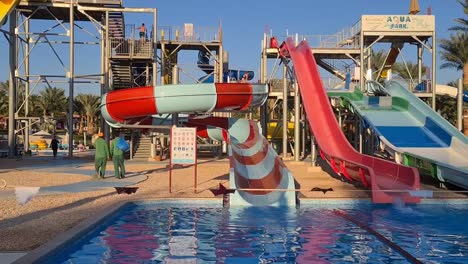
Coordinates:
x,y
388,181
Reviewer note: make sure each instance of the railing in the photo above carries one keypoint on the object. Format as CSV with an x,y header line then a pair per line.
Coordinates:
x,y
130,48
189,34
345,38
414,86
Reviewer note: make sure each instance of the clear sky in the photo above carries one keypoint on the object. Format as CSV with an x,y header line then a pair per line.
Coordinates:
x,y
244,23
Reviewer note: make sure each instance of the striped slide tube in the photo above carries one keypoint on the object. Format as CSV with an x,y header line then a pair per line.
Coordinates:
x,y
256,171
117,107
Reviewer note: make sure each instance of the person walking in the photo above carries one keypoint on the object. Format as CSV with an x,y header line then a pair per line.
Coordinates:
x,y
101,157
54,146
117,158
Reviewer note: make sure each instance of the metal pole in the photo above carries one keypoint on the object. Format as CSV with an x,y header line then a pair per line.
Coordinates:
x,y
155,46
103,67
360,136
26,85
221,63
362,82
433,81
71,80
460,105
297,124
297,113
313,154
175,80
285,111
12,88
263,79
163,63
107,47
420,63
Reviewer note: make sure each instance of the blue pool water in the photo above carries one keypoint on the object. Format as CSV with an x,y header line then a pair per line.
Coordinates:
x,y
313,233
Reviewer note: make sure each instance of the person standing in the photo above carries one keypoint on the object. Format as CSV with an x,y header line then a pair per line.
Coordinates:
x,y
54,146
101,157
142,30
117,158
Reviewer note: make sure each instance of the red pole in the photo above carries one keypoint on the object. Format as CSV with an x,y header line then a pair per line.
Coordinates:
x,y
170,163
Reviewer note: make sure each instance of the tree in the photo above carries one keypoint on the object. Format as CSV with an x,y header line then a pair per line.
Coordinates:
x,y
463,22
52,101
89,106
408,71
3,103
455,53
377,61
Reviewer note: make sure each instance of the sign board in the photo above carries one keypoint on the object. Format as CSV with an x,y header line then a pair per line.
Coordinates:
x,y
382,23
183,145
188,30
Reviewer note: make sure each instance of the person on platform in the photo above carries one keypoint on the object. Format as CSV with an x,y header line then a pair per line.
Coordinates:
x,y
101,157
142,31
54,145
117,158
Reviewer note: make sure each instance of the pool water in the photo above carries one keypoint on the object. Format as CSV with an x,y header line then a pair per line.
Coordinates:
x,y
313,233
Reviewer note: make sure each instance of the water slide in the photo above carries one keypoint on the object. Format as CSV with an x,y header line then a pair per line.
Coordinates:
x,y
257,174
387,180
204,65
6,6
411,131
451,91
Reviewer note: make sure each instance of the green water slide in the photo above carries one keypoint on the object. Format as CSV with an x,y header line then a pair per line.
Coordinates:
x,y
410,131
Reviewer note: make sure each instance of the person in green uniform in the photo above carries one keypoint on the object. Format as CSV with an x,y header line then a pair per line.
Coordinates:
x,y
117,158
102,155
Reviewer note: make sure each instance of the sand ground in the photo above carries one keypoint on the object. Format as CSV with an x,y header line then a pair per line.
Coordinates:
x,y
23,228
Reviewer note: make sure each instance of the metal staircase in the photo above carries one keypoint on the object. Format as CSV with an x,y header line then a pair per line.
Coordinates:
x,y
142,147
331,68
121,74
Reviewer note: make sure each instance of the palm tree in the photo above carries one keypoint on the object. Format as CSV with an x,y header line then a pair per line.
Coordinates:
x,y
3,103
455,53
463,22
52,101
377,61
90,108
409,70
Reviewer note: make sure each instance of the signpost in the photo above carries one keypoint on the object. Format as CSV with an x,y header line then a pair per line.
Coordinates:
x,y
183,150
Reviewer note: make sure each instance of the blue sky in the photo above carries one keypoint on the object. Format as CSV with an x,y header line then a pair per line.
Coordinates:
x,y
244,23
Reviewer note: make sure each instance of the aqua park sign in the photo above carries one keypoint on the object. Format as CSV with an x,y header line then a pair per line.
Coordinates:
x,y
398,22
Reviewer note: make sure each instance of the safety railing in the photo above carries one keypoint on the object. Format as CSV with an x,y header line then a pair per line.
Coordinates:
x,y
131,48
189,33
418,87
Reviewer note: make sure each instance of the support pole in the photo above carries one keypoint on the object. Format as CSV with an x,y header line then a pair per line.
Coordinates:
x,y
285,111
106,128
71,80
433,81
297,124
12,88
263,79
154,77
297,113
26,85
313,152
175,80
420,63
362,82
460,106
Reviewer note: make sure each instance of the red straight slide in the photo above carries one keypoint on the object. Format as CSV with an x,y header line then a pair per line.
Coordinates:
x,y
388,181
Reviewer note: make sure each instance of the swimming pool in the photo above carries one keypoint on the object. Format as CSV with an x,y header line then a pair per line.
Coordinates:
x,y
314,233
